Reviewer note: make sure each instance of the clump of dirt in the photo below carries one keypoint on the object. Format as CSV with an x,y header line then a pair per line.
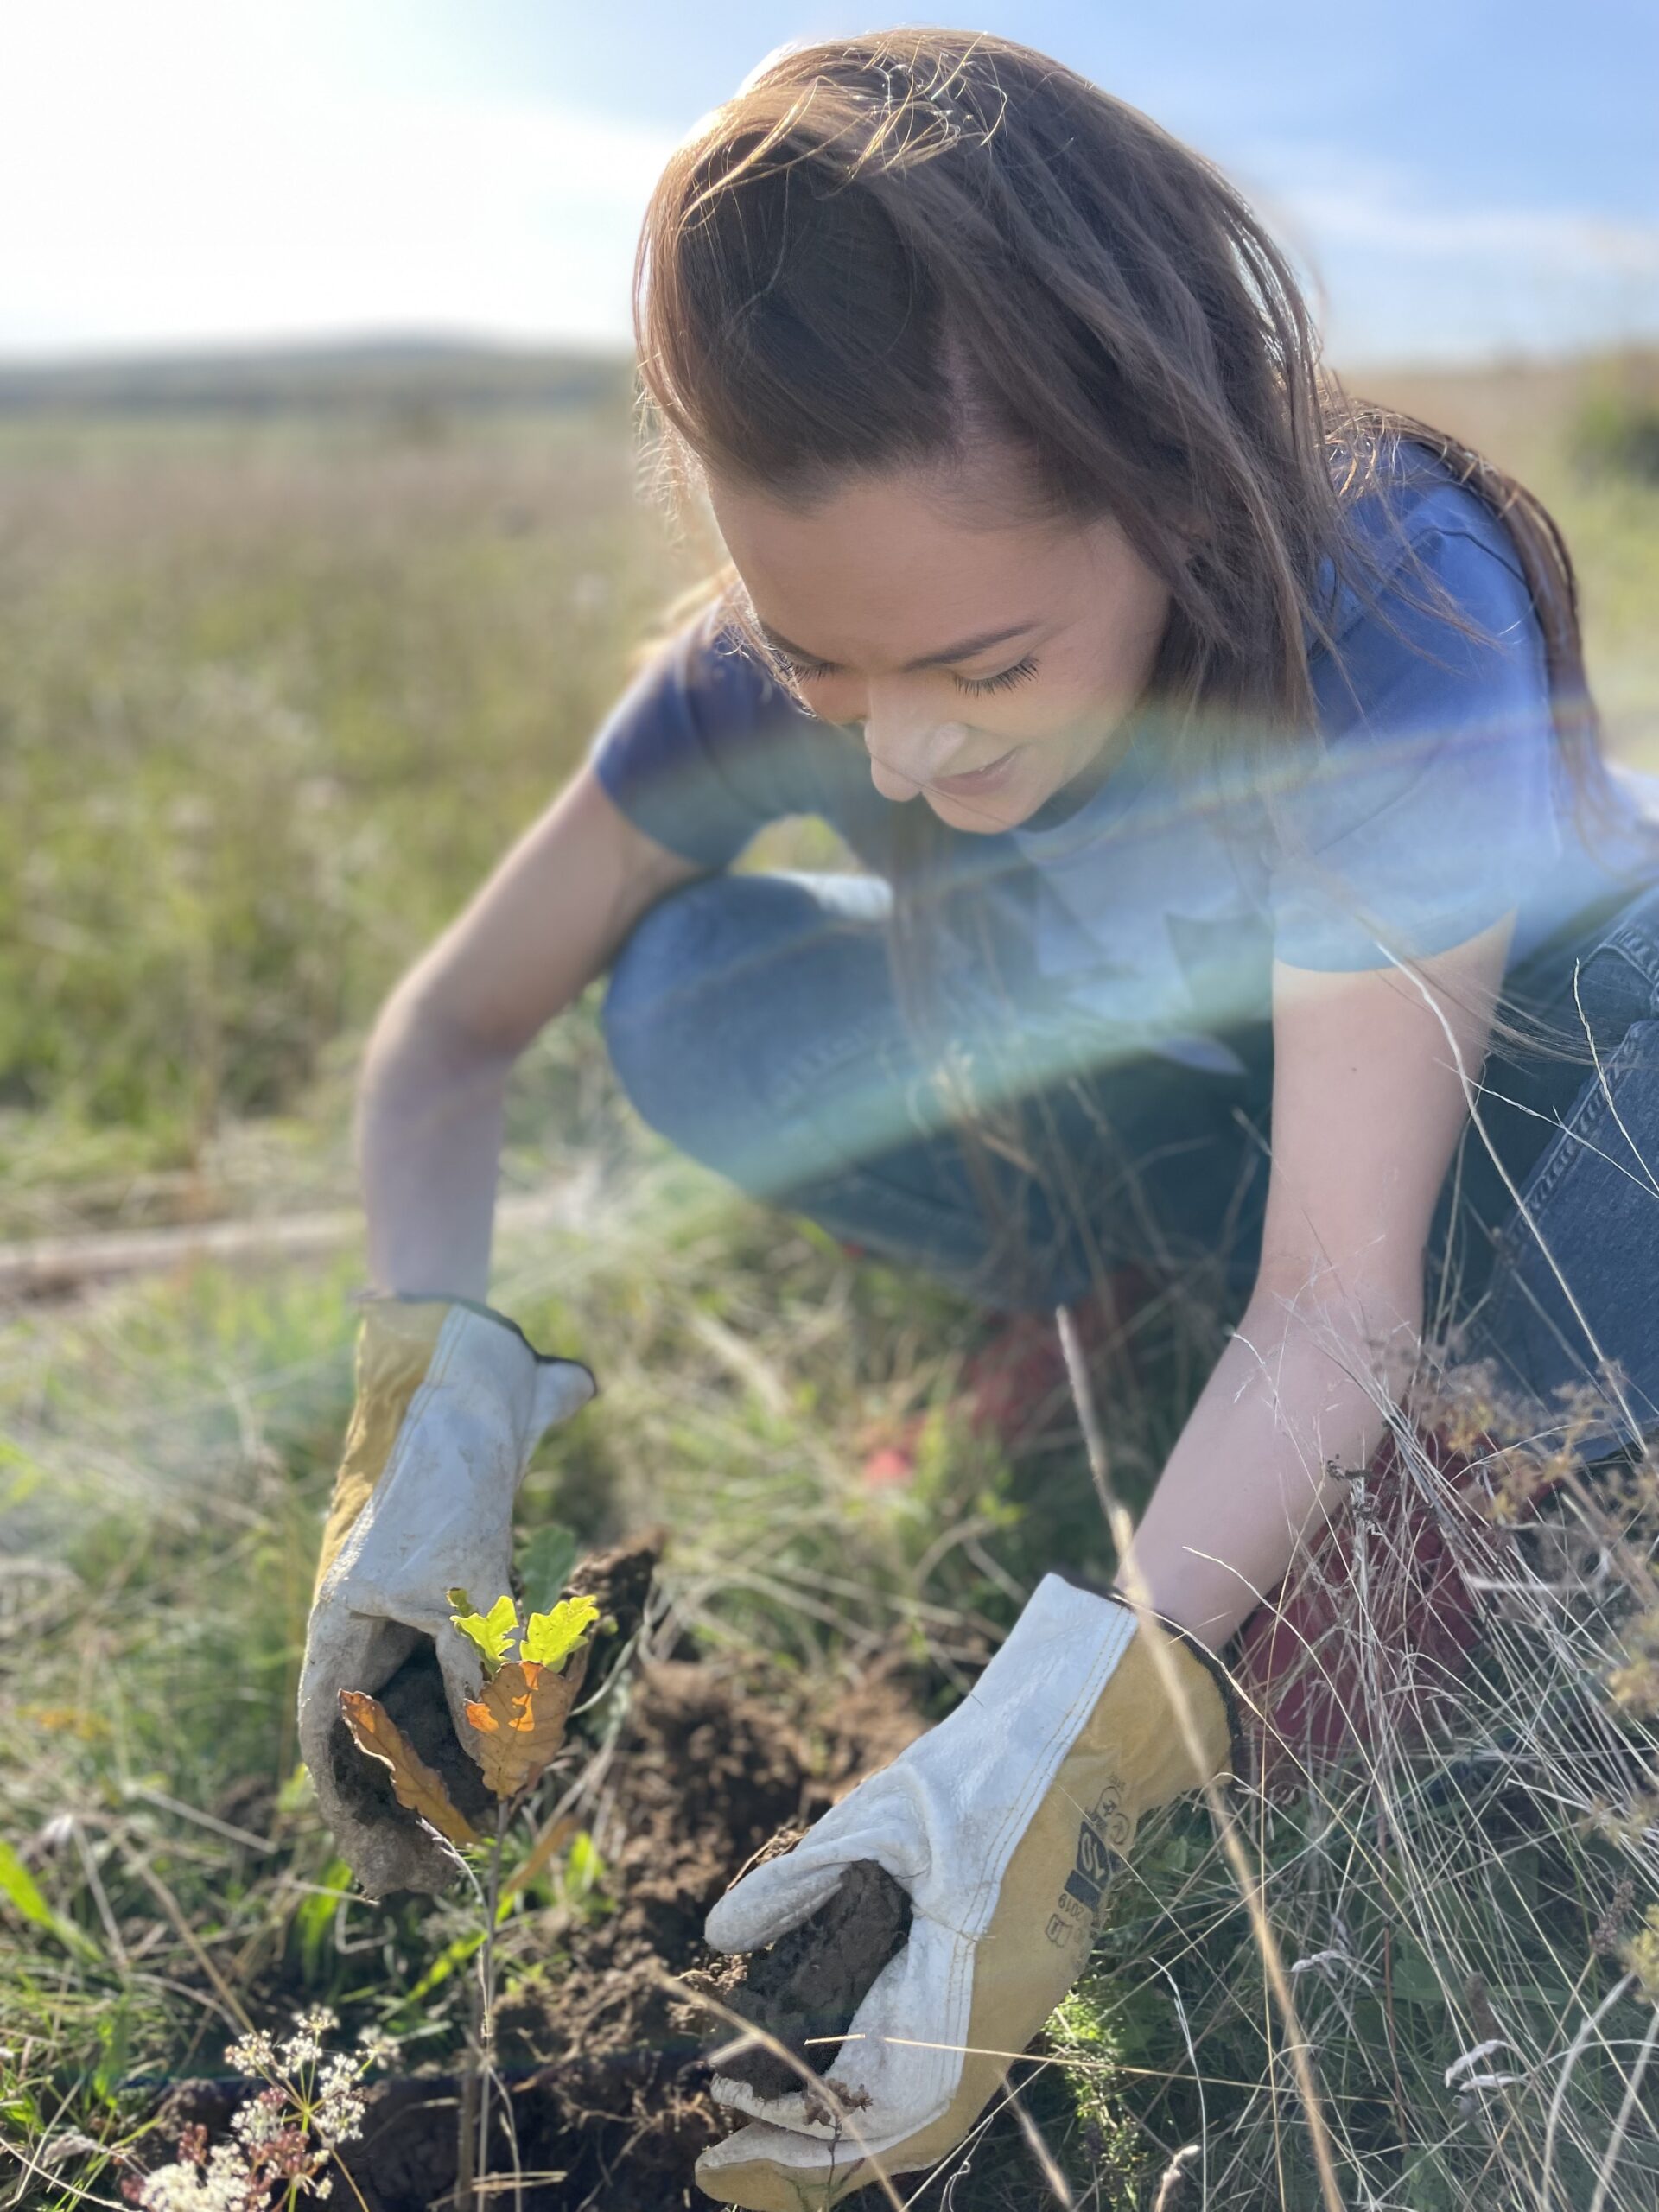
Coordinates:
x,y
619,1582
414,1697
804,1989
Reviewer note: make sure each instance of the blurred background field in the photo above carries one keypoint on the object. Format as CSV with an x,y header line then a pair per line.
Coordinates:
x,y
289,653
290,650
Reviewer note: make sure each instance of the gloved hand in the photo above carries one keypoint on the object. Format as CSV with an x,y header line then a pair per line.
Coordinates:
x,y
1003,1823
451,1401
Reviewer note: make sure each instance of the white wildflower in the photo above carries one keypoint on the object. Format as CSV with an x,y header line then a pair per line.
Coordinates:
x,y
229,2187
378,2049
304,2046
260,2119
225,2186
173,2189
254,2053
336,2113
338,2119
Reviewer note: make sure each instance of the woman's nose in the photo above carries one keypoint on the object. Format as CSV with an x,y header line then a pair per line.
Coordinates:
x,y
907,751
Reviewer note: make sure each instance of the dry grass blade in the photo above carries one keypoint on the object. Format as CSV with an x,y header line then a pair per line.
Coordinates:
x,y
1122,1530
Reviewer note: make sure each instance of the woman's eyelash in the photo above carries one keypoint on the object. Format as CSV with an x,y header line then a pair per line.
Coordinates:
x,y
801,671
1005,681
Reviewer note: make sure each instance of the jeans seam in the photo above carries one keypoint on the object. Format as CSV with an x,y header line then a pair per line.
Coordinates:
x,y
1569,1147
1634,938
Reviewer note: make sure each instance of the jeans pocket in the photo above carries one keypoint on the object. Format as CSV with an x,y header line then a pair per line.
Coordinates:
x,y
1575,1280
1618,978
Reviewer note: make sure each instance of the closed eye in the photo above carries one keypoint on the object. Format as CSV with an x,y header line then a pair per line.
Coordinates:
x,y
815,672
1018,674
801,672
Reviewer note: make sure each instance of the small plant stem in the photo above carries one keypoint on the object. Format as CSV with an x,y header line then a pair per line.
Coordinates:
x,y
486,2054
1122,1535
464,2138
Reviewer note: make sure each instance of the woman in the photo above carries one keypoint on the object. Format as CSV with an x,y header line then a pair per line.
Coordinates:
x,y
1220,764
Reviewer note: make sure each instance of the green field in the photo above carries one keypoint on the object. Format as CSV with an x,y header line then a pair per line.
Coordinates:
x,y
276,687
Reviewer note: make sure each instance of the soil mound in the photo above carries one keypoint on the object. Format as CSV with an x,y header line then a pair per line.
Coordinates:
x,y
605,2060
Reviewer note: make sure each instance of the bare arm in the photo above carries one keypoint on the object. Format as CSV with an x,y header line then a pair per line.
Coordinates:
x,y
1370,1099
434,1075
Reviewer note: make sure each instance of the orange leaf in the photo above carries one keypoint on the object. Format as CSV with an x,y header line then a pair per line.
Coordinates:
x,y
520,1722
376,1733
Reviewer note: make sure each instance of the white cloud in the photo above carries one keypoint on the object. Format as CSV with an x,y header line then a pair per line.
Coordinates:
x,y
1399,273
198,189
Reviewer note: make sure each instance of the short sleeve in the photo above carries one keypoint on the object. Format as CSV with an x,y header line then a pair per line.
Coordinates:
x,y
1434,804
704,748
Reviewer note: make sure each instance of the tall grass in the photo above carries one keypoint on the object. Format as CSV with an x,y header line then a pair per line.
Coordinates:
x,y
272,704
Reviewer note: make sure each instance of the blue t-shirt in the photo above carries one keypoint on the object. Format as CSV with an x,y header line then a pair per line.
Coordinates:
x,y
1433,798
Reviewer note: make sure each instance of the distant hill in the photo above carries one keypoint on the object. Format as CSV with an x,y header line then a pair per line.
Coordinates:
x,y
394,375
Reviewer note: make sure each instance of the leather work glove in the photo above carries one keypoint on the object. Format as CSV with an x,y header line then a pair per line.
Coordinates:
x,y
451,1401
1003,1823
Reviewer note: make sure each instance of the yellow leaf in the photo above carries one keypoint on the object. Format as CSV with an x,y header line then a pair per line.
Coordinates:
x,y
377,1735
550,1637
520,1721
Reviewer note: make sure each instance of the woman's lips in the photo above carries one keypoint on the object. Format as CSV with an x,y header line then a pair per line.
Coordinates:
x,y
977,780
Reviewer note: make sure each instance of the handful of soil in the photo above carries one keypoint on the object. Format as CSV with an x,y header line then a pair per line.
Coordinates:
x,y
811,1982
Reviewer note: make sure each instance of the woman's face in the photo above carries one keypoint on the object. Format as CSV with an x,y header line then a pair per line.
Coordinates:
x,y
988,661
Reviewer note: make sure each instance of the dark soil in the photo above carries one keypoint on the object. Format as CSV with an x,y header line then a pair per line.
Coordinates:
x,y
804,1989
606,2057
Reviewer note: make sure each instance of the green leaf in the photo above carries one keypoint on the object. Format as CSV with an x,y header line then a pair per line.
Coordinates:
x,y
17,1886
453,1955
1414,1979
115,2050
316,1916
546,1560
551,1638
492,1632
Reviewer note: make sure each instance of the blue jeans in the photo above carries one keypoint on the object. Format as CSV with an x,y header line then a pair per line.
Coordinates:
x,y
753,1020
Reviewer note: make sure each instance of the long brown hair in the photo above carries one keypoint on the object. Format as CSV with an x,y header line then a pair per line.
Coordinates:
x,y
886,248
883,247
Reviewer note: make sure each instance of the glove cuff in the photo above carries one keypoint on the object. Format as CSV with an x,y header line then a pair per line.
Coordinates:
x,y
1062,1617
406,1343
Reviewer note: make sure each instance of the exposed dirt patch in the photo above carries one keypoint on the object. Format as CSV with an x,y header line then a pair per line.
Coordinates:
x,y
604,2055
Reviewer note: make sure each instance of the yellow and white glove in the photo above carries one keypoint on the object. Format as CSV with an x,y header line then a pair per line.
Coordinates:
x,y
1003,1823
451,1401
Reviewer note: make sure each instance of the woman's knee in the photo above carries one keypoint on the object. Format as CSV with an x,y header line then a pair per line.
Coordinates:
x,y
715,988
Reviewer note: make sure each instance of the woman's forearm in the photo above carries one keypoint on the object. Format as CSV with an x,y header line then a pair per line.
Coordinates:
x,y
549,919
429,1143
1297,1389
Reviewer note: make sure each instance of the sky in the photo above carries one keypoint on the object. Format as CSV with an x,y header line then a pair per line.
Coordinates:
x,y
1460,178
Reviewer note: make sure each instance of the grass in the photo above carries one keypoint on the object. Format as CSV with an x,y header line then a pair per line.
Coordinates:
x,y
273,697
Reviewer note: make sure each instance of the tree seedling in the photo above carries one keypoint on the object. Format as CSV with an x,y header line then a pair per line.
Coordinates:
x,y
533,1676
518,1721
